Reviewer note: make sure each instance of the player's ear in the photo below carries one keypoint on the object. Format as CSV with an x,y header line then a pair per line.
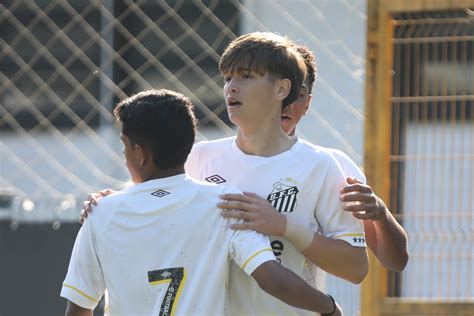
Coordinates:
x,y
308,103
142,154
283,88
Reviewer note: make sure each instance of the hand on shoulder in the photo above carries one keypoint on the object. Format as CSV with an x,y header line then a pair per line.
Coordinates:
x,y
93,199
360,199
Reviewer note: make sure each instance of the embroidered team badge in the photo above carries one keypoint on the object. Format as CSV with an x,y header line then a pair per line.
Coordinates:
x,y
283,197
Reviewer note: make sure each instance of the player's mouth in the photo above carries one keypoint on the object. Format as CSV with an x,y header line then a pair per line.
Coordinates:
x,y
232,102
285,117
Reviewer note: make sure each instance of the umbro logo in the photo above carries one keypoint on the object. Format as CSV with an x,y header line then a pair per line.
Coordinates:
x,y
160,193
166,274
217,179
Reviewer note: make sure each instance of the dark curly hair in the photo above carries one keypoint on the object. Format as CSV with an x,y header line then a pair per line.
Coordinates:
x,y
161,121
310,62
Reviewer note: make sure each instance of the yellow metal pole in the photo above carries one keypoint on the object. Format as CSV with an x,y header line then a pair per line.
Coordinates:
x,y
377,135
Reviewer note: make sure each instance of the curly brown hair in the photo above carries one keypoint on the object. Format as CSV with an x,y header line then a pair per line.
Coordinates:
x,y
311,67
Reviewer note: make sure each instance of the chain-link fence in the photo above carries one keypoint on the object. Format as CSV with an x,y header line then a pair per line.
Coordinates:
x,y
432,106
65,64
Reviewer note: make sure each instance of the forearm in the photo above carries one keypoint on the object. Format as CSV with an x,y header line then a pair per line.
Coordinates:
x,y
334,256
285,285
75,310
390,244
338,258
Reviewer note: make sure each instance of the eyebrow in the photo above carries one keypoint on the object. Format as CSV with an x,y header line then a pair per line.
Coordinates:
x,y
240,70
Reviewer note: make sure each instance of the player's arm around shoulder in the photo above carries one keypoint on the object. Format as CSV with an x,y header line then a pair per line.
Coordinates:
x,y
93,200
288,287
385,236
252,252
339,258
341,248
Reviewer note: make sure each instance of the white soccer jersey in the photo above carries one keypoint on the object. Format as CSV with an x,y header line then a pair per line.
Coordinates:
x,y
304,182
160,248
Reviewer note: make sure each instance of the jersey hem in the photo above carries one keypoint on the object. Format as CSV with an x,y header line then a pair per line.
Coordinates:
x,y
78,297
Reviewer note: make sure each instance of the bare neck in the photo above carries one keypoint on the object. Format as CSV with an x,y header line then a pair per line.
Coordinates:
x,y
152,173
264,142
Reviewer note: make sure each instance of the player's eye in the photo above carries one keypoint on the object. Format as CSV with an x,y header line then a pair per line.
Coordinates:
x,y
227,78
246,75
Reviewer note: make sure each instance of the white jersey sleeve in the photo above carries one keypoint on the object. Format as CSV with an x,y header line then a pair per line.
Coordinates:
x,y
334,221
248,248
348,166
84,284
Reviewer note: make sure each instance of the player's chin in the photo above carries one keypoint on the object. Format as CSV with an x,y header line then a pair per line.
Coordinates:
x,y
234,118
287,124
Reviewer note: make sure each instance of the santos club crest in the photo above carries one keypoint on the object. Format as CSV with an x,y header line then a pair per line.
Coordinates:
x,y
283,197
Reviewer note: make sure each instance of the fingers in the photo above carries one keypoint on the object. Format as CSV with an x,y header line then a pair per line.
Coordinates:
x,y
353,180
355,208
362,211
93,198
254,196
236,205
235,197
249,220
364,216
83,216
358,197
106,192
236,214
87,205
86,209
242,226
84,213
358,187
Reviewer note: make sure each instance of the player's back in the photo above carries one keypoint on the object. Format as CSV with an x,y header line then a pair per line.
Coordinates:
x,y
164,248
